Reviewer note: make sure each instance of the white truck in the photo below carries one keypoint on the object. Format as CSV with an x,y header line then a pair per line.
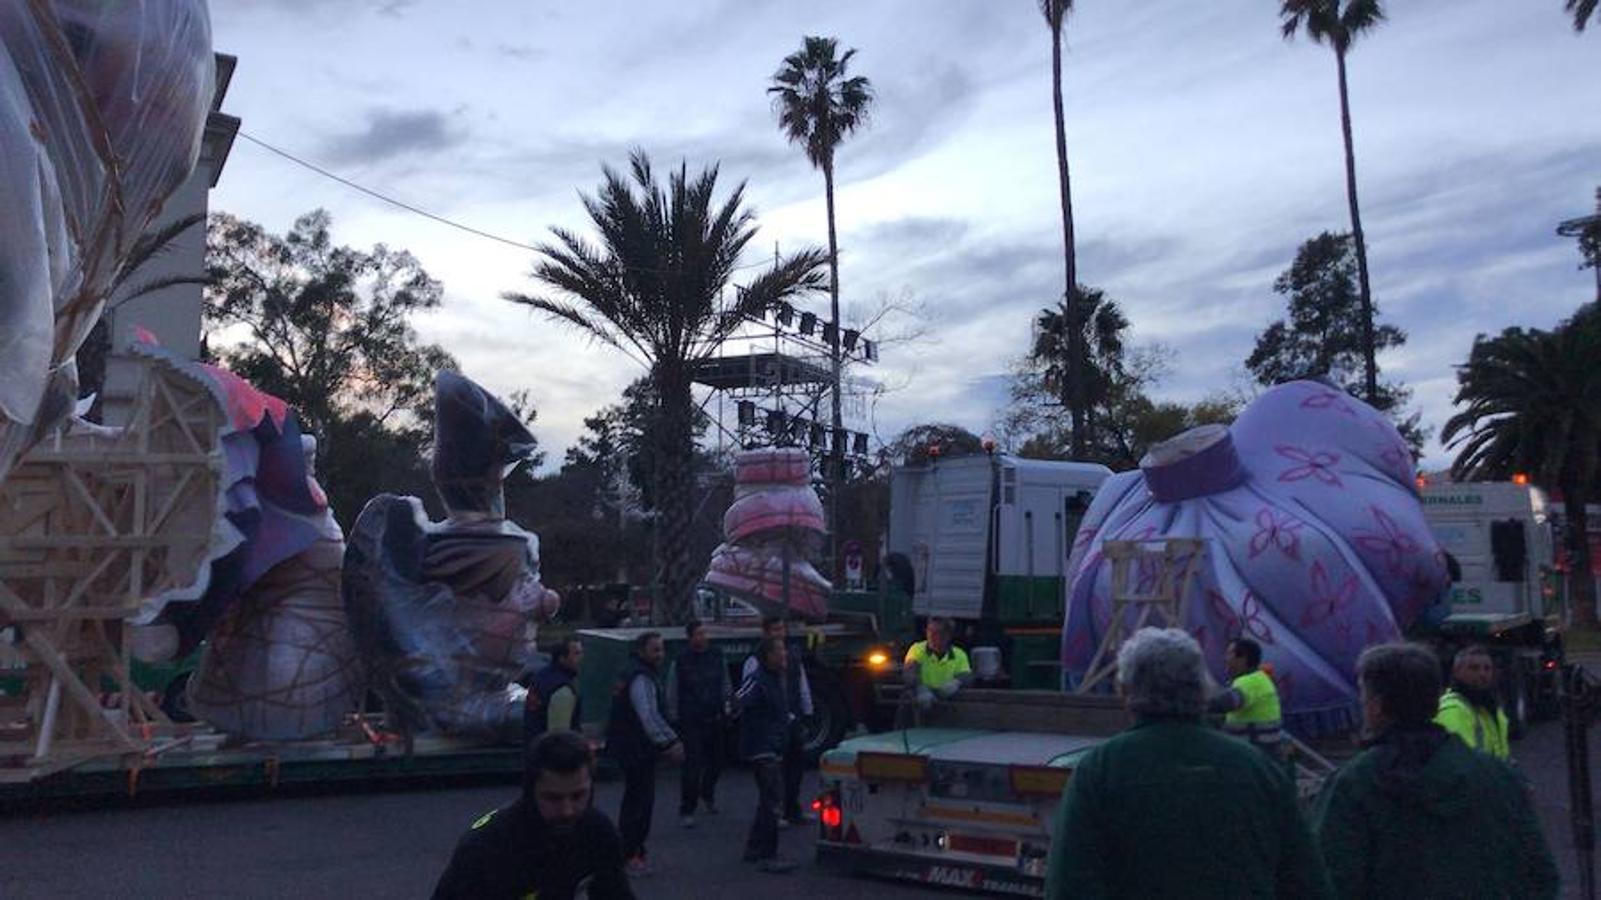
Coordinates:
x,y
1506,590
988,539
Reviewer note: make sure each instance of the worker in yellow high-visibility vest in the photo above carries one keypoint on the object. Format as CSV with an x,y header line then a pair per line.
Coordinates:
x,y
1469,709
1251,701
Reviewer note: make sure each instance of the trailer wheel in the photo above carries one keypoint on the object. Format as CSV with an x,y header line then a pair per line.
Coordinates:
x,y
830,718
1519,699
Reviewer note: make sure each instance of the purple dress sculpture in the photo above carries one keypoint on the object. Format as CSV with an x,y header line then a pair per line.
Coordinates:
x,y
1316,543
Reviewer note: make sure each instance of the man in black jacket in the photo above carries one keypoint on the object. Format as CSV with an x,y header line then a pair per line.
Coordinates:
x,y
637,735
550,843
764,733
553,703
800,703
698,695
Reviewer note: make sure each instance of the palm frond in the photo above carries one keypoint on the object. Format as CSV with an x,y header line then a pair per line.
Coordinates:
x,y
1582,10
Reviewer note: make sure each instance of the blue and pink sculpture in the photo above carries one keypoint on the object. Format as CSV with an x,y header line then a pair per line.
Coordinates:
x,y
1317,545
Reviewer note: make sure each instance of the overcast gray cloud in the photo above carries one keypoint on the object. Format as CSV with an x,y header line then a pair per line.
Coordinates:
x,y
1204,147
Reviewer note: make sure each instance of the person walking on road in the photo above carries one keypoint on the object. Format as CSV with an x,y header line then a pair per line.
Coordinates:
x,y
553,703
698,699
550,842
1418,814
1251,701
637,736
1173,808
765,722
1469,709
800,703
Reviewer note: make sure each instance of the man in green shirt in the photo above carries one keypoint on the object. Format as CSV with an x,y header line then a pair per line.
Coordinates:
x,y
1251,701
1418,814
1469,709
1172,808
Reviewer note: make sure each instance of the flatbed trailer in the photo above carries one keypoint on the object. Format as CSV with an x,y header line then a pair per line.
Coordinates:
x,y
197,759
966,798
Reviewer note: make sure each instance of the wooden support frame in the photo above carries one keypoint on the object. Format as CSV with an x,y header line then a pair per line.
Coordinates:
x,y
94,521
1157,597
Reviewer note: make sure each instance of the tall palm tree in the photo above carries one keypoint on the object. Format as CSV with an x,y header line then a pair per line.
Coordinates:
x,y
1533,404
1339,23
1582,11
1074,394
819,104
1081,360
653,288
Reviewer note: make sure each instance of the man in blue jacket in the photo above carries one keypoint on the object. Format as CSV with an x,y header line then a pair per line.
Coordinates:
x,y
766,717
553,703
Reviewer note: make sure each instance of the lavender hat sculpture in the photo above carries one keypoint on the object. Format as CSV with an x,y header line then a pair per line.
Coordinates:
x,y
1316,543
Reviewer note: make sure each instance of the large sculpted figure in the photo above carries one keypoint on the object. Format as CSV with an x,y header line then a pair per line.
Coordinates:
x,y
1316,543
102,108
445,613
771,532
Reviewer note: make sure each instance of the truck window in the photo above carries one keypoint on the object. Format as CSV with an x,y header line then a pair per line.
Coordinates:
x,y
1509,547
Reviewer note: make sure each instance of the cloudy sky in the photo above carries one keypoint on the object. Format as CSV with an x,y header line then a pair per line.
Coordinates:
x,y
1204,149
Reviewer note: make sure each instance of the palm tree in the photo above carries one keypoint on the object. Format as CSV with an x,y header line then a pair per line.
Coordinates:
x,y
1339,23
819,104
1534,405
1074,395
1082,362
653,288
1582,11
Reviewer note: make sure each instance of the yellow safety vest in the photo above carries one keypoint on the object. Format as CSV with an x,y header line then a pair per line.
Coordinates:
x,y
1477,728
1258,719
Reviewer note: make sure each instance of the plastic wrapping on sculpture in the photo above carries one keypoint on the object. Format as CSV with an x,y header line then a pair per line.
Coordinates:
x,y
280,664
1316,543
102,109
775,524
445,613
270,508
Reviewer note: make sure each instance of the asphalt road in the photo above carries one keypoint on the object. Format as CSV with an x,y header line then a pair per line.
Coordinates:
x,y
396,844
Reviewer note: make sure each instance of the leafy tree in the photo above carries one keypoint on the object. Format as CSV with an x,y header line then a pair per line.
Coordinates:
x,y
916,445
819,104
1582,10
325,327
1533,404
1077,393
1325,330
1339,23
652,288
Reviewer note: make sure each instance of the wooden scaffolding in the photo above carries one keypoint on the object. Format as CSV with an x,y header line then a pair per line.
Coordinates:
x,y
92,522
1156,596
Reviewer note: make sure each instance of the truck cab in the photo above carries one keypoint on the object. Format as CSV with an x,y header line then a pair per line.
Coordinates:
x,y
988,539
1506,593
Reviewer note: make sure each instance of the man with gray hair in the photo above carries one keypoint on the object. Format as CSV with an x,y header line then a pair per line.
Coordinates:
x,y
1173,808
1418,814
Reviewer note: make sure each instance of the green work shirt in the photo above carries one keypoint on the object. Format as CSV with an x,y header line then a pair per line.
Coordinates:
x,y
937,671
1478,728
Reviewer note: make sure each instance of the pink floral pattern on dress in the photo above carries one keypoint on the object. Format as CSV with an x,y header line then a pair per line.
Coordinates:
x,y
1327,600
1273,530
1327,398
1250,620
1391,544
1317,465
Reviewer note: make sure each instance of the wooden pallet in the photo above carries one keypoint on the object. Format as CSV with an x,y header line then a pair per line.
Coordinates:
x,y
1157,597
92,522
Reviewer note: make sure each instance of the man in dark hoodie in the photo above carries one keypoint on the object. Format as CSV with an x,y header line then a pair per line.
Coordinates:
x,y
766,717
550,843
698,697
1418,814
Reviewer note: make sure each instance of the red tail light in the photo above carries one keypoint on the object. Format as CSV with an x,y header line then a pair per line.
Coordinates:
x,y
830,818
833,818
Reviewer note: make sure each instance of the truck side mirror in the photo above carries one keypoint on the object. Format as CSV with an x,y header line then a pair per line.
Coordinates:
x,y
1509,548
